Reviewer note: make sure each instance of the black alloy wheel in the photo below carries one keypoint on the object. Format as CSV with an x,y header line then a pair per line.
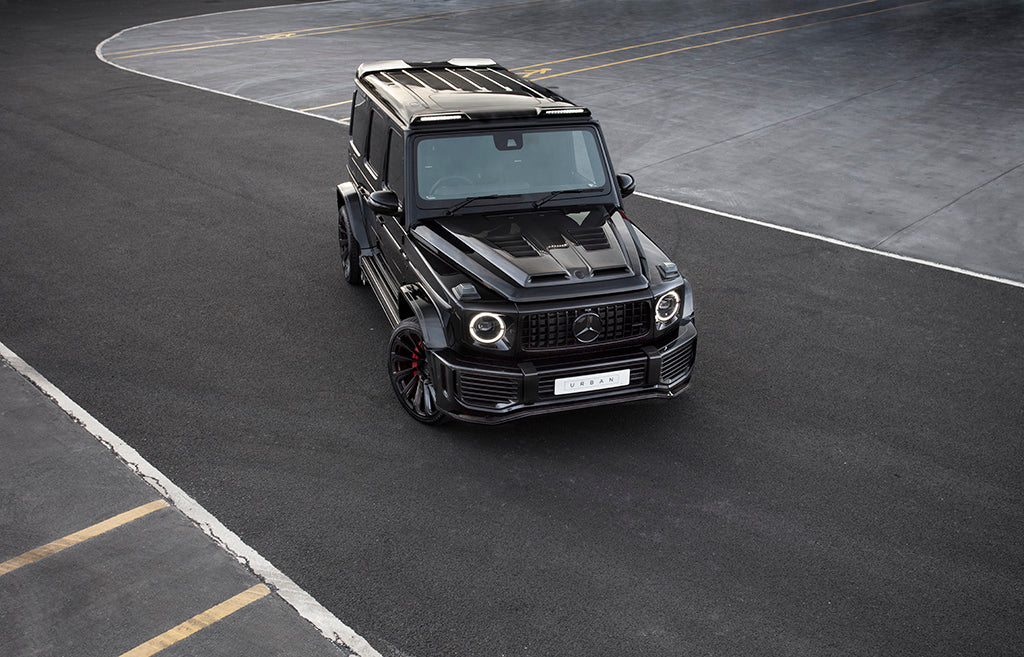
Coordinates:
x,y
410,375
349,250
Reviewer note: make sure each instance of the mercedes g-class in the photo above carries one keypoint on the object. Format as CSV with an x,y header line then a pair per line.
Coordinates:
x,y
484,213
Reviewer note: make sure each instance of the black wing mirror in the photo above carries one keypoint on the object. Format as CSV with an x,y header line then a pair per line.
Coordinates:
x,y
626,184
384,202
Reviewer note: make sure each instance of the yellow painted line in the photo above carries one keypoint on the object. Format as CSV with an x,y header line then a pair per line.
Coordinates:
x,y
312,31
310,109
79,536
739,38
695,35
535,69
198,622
538,68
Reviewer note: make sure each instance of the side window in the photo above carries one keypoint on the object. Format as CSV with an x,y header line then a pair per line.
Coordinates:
x,y
378,142
396,165
360,124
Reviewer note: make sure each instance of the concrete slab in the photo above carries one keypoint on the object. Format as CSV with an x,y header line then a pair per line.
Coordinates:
x,y
876,123
119,589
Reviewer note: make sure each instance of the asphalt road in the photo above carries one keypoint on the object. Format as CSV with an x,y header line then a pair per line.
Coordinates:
x,y
843,476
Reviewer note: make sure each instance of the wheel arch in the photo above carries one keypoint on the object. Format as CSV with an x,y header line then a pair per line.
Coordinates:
x,y
414,302
352,202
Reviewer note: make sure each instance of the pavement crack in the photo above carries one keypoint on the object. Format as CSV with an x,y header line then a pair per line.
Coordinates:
x,y
947,205
811,112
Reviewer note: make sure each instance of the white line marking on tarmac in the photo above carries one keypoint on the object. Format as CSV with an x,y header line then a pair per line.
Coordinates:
x,y
99,55
758,222
304,603
837,242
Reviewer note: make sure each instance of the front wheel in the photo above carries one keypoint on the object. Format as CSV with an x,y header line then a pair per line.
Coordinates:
x,y
410,375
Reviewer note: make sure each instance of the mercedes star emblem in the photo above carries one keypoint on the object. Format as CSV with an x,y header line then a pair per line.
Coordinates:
x,y
587,327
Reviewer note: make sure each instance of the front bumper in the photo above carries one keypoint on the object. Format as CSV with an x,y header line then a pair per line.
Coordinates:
x,y
488,394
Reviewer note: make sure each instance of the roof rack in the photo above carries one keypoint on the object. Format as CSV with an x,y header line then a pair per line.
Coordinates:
x,y
467,88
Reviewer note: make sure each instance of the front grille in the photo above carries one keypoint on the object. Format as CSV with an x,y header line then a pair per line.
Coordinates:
x,y
488,390
677,363
546,381
552,330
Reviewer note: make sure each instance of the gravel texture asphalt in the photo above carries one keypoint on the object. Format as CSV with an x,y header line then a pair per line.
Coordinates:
x,y
843,476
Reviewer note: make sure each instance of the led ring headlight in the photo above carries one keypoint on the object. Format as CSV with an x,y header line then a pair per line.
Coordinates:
x,y
487,328
667,307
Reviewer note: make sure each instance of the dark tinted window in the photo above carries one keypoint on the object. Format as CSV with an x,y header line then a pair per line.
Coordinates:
x,y
378,142
505,162
360,125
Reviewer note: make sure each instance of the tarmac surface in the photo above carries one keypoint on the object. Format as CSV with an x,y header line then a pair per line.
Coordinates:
x,y
843,477
896,126
125,584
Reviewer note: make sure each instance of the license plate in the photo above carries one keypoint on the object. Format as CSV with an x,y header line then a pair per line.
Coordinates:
x,y
572,385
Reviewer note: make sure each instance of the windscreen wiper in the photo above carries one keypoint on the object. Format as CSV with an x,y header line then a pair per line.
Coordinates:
x,y
458,206
538,204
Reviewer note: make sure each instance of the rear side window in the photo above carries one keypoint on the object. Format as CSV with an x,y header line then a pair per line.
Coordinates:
x,y
360,124
378,142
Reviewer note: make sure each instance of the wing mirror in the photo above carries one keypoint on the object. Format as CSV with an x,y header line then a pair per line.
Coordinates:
x,y
626,184
384,202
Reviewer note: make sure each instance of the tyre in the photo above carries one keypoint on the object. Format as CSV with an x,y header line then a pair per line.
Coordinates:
x,y
410,375
349,250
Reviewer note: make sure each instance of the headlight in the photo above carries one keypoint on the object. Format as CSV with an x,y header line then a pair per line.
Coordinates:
x,y
488,328
667,307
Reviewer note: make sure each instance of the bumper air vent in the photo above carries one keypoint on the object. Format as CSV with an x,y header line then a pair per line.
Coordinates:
x,y
678,363
486,390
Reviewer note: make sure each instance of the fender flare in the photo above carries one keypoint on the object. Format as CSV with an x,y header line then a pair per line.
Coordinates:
x,y
352,201
427,314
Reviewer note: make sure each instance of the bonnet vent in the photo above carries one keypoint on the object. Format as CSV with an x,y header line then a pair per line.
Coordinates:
x,y
591,239
514,245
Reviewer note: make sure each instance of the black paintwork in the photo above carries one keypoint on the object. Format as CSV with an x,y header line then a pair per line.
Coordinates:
x,y
538,258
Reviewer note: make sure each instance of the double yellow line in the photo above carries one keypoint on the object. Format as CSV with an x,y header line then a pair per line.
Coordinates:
x,y
543,70
529,71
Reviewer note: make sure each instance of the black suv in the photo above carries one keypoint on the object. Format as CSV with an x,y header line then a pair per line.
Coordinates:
x,y
484,213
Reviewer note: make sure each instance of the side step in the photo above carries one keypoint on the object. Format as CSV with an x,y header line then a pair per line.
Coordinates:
x,y
378,280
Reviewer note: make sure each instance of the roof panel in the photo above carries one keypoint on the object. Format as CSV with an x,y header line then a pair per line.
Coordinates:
x,y
480,89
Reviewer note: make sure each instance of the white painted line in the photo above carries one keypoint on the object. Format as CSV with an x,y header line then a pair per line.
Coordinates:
x,y
765,224
305,604
99,55
832,240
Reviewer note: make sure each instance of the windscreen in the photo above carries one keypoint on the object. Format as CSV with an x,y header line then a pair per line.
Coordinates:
x,y
508,162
